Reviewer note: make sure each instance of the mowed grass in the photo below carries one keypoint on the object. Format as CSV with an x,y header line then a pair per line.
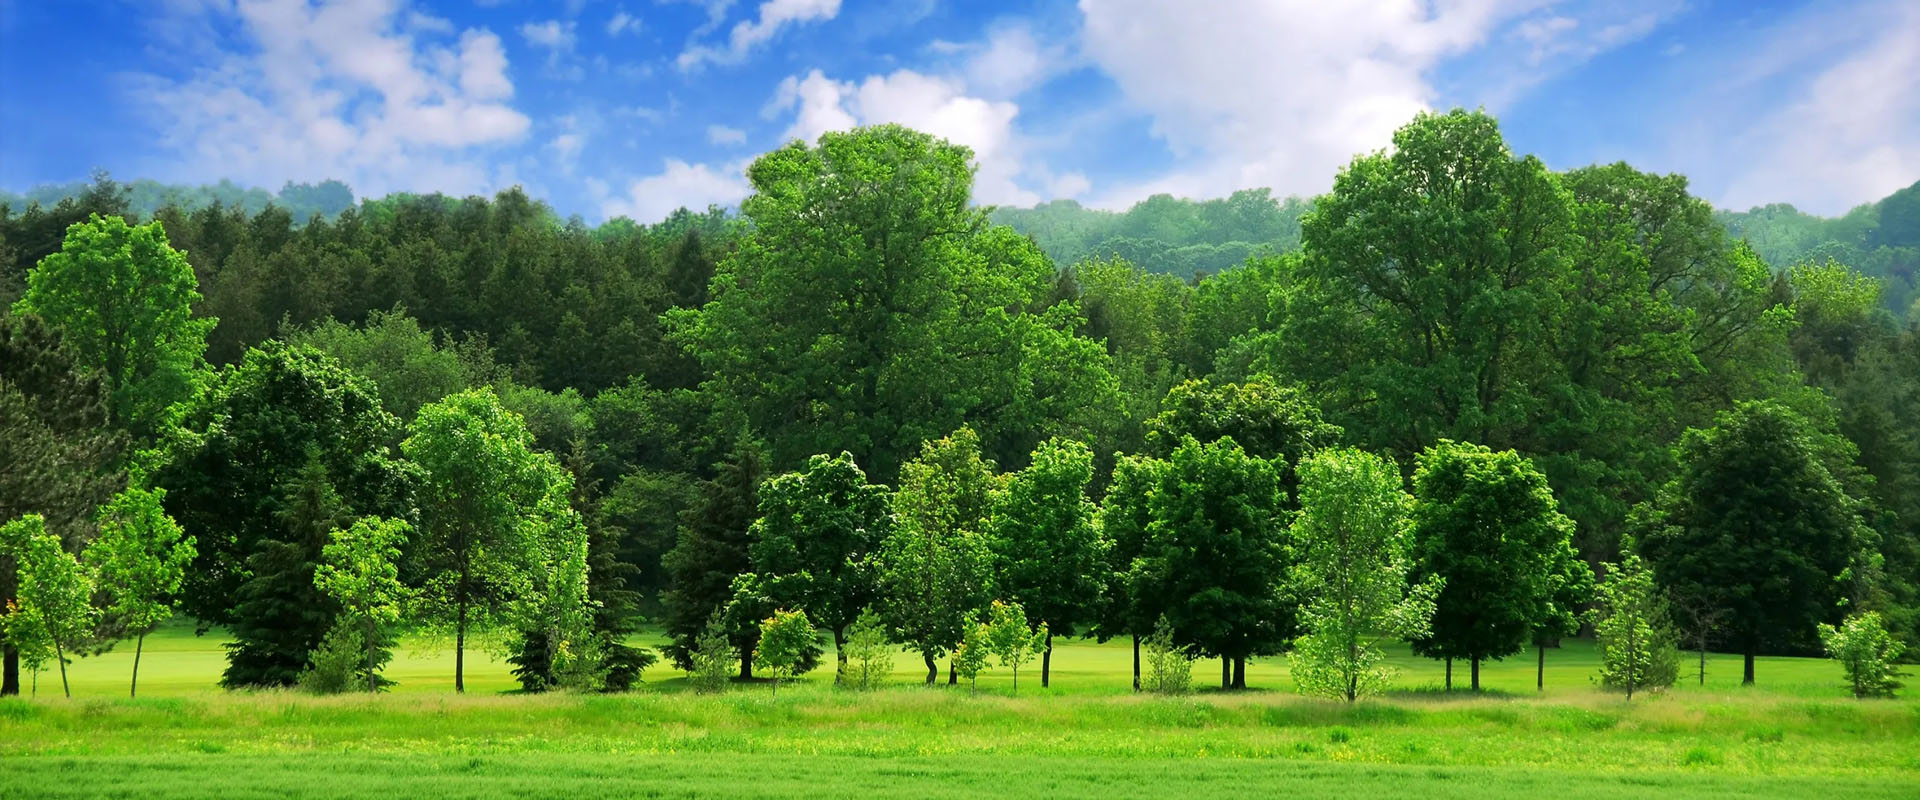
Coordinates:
x,y
1796,734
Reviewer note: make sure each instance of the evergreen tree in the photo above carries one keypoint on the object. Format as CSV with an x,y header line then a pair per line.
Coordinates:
x,y
711,552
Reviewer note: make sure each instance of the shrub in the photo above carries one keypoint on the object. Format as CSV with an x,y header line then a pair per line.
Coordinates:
x,y
338,664
713,657
869,654
1866,651
1169,669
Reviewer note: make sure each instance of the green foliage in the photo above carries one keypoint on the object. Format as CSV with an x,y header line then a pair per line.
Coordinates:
x,y
59,455
1867,652
1355,547
812,547
51,607
1182,238
1048,552
935,565
1485,523
279,615
1169,668
139,559
970,657
711,657
1755,523
339,663
1010,640
1267,419
710,552
785,639
869,655
360,570
1636,640
122,299
410,366
1125,517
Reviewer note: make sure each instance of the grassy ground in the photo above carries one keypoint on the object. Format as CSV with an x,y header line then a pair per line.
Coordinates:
x,y
1794,735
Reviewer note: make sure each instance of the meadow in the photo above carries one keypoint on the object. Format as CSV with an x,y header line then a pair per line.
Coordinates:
x,y
1794,734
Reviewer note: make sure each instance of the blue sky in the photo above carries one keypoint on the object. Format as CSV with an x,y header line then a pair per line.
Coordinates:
x,y
634,107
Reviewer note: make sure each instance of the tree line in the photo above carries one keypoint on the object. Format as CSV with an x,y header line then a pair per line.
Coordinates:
x,y
1519,398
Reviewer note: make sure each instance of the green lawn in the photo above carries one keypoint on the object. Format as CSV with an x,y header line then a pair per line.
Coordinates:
x,y
1794,735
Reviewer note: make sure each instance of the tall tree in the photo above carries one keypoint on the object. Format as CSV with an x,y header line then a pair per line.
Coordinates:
x,y
711,551
59,456
935,565
1356,549
813,546
53,603
1756,524
1216,555
1047,550
488,503
278,616
123,301
139,559
360,570
1569,589
1126,515
1486,524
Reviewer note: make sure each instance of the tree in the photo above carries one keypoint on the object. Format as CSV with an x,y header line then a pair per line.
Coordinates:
x,y
1569,587
711,657
495,527
871,307
1355,548
1636,641
1267,419
1047,549
1755,523
1216,555
785,638
869,654
1125,517
123,299
1169,668
813,544
52,605
60,456
1010,640
1485,523
710,553
139,559
285,432
360,571
1867,652
936,565
970,656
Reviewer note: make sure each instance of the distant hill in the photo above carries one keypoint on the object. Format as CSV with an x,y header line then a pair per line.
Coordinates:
x,y
1162,233
302,201
1879,239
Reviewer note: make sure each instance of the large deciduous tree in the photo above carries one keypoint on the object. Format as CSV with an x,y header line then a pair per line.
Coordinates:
x,y
1126,516
122,299
813,546
936,566
1486,524
1755,523
1046,545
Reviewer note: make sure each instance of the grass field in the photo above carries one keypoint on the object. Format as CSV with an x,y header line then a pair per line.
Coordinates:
x,y
1796,734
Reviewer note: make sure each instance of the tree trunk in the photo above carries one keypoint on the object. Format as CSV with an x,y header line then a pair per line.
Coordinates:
x,y
370,684
1476,674
460,648
1240,672
1046,661
1703,665
746,665
9,671
1136,662
60,657
840,655
953,673
1226,672
1449,673
1540,672
1747,678
933,670
138,644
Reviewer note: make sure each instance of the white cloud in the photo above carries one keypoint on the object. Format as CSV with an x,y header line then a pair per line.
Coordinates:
x,y
1009,61
723,135
934,105
1849,135
553,35
622,22
680,184
774,14
362,92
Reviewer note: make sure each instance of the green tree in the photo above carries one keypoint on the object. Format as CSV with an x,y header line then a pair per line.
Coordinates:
x,y
785,638
935,565
1355,545
1569,588
1755,523
361,572
409,365
495,526
1169,668
971,654
711,551
123,299
1486,524
1216,555
1125,516
1010,640
711,657
1268,419
812,547
53,603
869,654
1867,652
279,618
1636,640
1046,543
139,559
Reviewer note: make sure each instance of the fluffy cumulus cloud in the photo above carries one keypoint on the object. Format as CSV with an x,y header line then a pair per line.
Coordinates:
x,y
365,91
1848,134
748,34
936,105
679,184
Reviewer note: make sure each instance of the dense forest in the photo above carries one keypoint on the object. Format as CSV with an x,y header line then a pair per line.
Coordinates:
x,y
862,394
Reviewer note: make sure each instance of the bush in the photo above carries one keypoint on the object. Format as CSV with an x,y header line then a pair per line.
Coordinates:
x,y
338,665
713,657
623,665
1169,669
869,654
1867,652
